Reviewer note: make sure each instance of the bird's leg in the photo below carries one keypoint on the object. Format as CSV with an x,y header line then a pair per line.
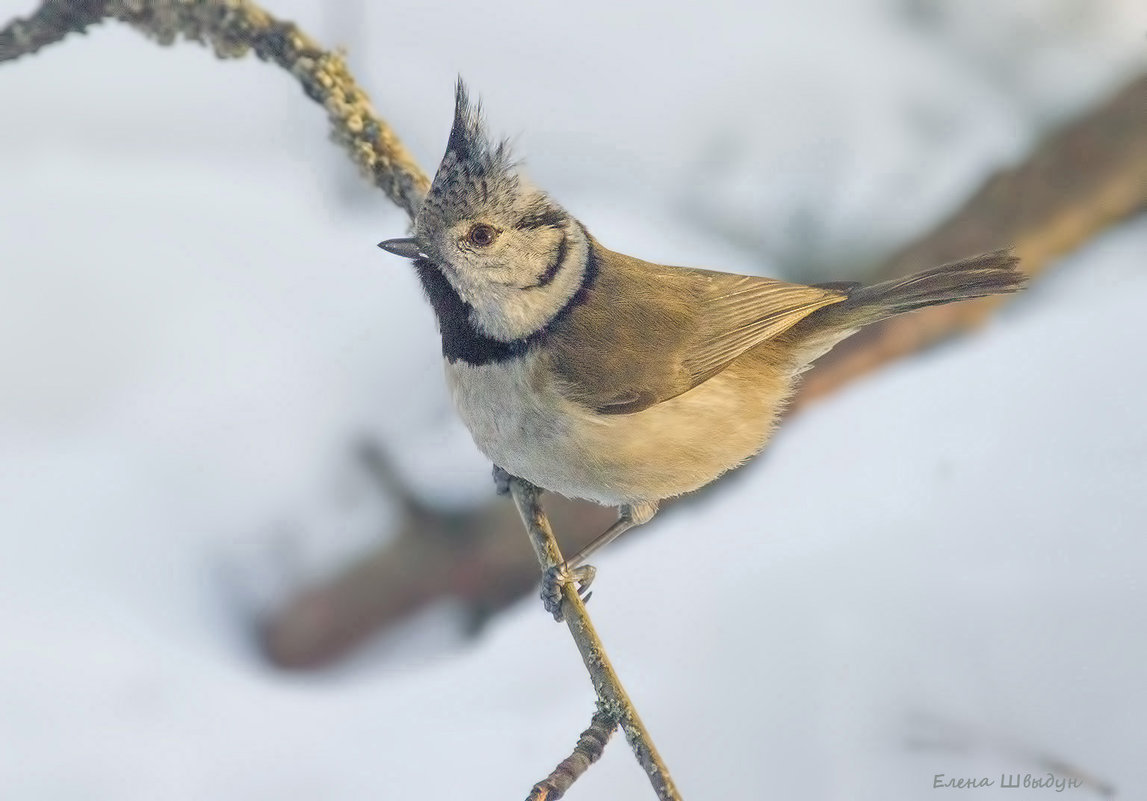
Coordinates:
x,y
557,577
583,575
629,516
575,568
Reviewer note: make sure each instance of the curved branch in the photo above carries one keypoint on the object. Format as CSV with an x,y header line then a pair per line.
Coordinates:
x,y
48,24
232,29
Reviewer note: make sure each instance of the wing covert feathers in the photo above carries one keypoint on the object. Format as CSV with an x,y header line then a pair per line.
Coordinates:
x,y
741,312
646,333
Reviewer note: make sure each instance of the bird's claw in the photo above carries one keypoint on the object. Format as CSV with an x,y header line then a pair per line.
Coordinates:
x,y
501,481
560,575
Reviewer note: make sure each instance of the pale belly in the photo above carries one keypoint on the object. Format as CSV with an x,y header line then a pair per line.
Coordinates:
x,y
526,427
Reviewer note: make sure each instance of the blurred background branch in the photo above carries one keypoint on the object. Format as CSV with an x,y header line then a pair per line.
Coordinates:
x,y
1077,183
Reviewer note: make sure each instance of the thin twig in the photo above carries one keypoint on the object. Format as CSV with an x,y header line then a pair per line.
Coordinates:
x,y
588,750
612,697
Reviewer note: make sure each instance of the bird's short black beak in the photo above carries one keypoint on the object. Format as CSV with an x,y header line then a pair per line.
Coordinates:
x,y
407,247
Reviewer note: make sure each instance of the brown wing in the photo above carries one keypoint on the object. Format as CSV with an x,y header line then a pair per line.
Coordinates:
x,y
740,312
646,333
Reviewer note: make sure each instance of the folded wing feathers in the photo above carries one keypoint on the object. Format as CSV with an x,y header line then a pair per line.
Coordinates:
x,y
741,312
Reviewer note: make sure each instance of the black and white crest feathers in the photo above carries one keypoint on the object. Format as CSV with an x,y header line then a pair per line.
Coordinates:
x,y
470,143
476,174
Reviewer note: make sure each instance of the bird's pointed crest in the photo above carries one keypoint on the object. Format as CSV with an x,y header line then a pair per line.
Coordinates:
x,y
469,141
475,171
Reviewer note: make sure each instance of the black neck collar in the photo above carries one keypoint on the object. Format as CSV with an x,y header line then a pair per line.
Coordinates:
x,y
461,339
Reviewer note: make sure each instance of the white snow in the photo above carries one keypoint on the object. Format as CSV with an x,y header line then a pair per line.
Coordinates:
x,y
195,326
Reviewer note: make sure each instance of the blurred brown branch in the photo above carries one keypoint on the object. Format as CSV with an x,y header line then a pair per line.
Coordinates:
x,y
475,556
1077,182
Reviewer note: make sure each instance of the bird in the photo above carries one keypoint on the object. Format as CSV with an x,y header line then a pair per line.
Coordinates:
x,y
601,376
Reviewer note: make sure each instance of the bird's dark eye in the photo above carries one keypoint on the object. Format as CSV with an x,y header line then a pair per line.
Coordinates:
x,y
482,235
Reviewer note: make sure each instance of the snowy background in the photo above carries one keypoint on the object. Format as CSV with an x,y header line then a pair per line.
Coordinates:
x,y
937,570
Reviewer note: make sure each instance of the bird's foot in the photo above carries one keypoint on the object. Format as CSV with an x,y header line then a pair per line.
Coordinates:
x,y
501,481
560,575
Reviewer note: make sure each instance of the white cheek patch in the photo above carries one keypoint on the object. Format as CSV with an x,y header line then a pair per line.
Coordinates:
x,y
508,312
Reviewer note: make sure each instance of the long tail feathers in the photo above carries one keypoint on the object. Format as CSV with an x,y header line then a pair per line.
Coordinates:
x,y
994,273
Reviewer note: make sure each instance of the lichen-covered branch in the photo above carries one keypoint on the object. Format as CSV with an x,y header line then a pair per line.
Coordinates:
x,y
233,28
588,750
49,23
612,698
